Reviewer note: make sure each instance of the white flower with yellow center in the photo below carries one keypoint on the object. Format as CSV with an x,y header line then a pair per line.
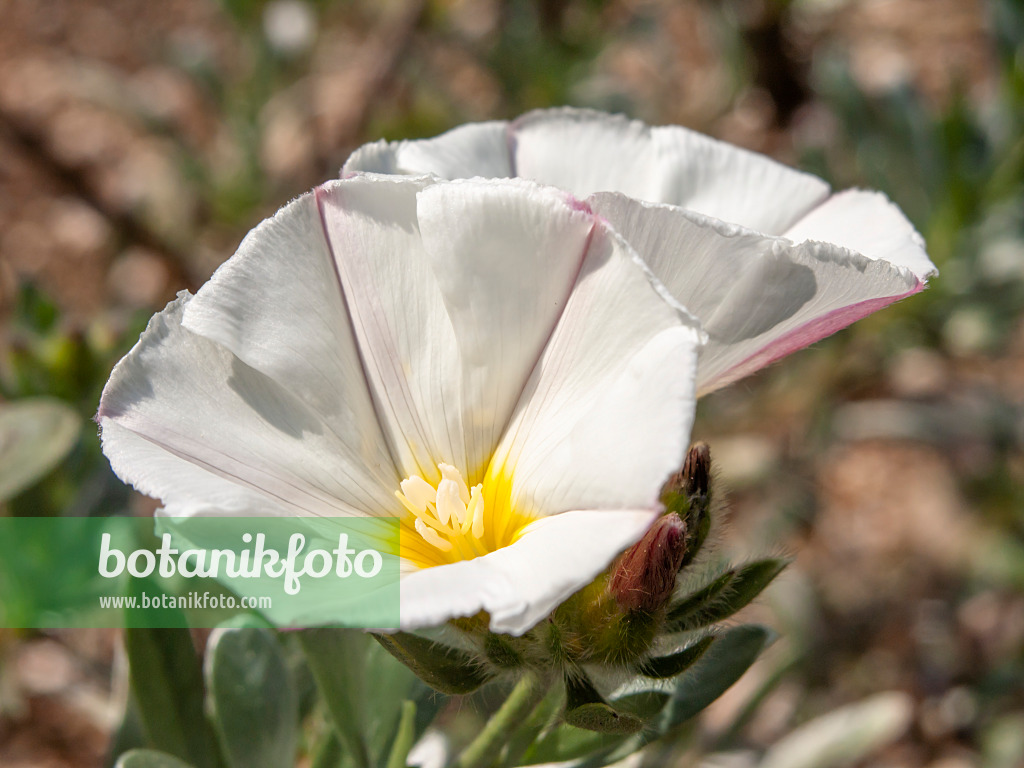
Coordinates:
x,y
488,361
764,255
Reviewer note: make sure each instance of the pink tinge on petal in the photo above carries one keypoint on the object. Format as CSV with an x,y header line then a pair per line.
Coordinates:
x,y
805,335
579,205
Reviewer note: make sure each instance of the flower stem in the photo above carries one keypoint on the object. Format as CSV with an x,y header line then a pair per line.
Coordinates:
x,y
527,693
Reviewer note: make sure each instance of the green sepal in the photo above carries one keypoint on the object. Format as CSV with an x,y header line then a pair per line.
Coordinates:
x,y
442,667
502,651
664,667
724,596
149,758
586,709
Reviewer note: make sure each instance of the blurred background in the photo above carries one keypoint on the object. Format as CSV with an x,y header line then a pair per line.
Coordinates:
x,y
140,141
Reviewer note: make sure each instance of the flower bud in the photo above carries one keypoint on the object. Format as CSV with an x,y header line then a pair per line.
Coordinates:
x,y
644,576
688,494
690,487
696,474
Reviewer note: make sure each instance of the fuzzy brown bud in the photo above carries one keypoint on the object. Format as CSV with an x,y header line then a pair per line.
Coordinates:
x,y
644,576
696,474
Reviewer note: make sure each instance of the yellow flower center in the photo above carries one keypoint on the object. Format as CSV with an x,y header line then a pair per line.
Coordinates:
x,y
450,521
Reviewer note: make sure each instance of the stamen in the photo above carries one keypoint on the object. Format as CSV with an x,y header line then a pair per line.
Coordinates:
x,y
418,491
426,516
451,519
475,515
448,472
431,537
449,505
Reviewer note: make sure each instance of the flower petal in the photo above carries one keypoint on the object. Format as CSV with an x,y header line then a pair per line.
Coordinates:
x,y
186,487
277,306
408,348
185,420
759,297
868,223
606,415
520,584
453,290
505,255
475,149
585,151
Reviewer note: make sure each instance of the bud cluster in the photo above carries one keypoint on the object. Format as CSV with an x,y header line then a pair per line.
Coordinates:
x,y
615,620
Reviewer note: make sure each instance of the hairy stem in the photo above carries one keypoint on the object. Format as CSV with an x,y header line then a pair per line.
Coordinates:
x,y
520,703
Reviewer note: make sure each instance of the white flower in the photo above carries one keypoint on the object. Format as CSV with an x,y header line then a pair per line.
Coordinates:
x,y
760,253
488,360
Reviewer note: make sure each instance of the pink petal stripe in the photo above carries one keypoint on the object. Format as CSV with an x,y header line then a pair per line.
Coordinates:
x,y
806,334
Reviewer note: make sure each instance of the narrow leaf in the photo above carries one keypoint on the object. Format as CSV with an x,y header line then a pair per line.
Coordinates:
x,y
642,704
726,660
167,684
254,704
682,612
337,659
539,720
567,742
845,736
723,597
389,685
584,708
404,738
601,717
664,667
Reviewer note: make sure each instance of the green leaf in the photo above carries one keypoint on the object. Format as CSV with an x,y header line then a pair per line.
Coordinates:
x,y
130,734
584,708
726,660
337,659
404,738
643,704
539,720
442,667
566,742
680,614
724,596
389,686
35,434
664,667
603,718
253,702
845,736
366,691
167,683
149,758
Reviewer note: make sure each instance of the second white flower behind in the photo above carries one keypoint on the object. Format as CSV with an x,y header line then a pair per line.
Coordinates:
x,y
765,255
